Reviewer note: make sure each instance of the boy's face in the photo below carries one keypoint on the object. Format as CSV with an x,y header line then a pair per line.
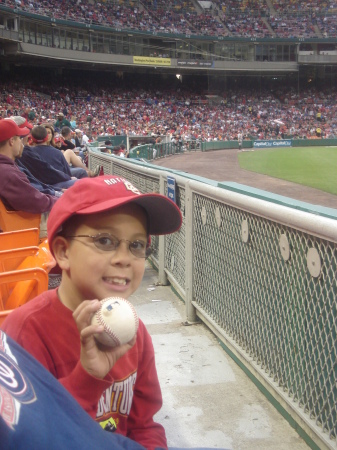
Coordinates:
x,y
92,273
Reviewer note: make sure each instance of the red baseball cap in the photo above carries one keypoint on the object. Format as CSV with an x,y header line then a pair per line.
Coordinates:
x,y
9,129
58,139
95,195
26,124
21,122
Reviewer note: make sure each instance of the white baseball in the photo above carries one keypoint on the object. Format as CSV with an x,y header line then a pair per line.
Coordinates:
x,y
119,319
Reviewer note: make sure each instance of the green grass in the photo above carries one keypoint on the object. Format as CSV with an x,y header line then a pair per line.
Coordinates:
x,y
310,166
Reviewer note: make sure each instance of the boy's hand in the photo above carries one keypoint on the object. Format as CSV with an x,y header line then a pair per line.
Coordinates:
x,y
95,358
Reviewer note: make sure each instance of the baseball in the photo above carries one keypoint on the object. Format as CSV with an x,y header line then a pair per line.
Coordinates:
x,y
119,319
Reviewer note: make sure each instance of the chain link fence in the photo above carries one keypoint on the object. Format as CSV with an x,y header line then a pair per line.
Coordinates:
x,y
264,277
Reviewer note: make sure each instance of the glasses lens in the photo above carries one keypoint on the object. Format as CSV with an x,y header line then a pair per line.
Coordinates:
x,y
106,242
138,248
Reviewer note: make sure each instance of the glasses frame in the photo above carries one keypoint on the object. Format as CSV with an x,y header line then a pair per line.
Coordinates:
x,y
94,237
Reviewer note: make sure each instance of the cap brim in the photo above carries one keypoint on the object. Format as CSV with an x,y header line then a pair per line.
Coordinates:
x,y
164,216
23,131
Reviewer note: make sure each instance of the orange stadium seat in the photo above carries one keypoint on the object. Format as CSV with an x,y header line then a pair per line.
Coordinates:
x,y
26,257
17,220
24,268
11,259
20,220
37,276
19,239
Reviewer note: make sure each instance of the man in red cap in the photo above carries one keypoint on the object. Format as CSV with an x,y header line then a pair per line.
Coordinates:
x,y
45,188
22,122
15,190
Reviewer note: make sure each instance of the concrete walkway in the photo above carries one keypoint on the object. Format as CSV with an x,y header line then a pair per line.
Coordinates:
x,y
208,400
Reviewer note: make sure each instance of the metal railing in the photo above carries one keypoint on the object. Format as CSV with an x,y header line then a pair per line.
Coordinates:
x,y
153,151
263,277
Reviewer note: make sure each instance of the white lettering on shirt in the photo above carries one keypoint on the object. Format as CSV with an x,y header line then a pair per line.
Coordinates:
x,y
118,397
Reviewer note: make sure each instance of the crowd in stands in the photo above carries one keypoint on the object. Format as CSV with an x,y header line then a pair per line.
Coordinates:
x,y
247,26
176,110
45,126
292,27
209,25
248,7
313,6
327,25
251,18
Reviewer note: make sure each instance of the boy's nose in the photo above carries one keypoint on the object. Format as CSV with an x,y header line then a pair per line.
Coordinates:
x,y
122,251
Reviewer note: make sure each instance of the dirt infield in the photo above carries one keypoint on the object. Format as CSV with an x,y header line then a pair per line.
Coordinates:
x,y
222,165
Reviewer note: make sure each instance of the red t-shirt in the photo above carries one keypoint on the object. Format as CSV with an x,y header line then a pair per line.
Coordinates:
x,y
130,392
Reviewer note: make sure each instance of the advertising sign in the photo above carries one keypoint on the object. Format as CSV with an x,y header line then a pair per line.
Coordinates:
x,y
150,61
194,63
270,143
171,189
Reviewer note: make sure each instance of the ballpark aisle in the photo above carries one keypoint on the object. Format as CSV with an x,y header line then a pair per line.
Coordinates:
x,y
208,400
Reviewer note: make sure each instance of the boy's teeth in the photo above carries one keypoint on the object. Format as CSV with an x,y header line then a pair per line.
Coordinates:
x,y
118,281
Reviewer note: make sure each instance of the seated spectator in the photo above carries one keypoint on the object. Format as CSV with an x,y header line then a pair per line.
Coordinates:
x,y
69,142
61,121
107,147
47,152
123,152
78,138
117,151
42,187
51,155
16,192
67,135
82,137
44,171
75,163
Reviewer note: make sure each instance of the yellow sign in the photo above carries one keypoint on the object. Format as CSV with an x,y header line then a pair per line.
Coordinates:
x,y
149,60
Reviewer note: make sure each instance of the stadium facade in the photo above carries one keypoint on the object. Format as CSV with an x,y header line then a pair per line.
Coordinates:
x,y
31,39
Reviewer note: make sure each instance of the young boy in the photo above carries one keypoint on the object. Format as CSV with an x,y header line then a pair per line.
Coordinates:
x,y
99,233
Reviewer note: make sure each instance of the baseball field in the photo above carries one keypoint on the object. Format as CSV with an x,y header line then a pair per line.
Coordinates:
x,y
309,166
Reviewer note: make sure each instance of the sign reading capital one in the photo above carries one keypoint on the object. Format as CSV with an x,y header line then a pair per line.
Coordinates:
x,y
270,143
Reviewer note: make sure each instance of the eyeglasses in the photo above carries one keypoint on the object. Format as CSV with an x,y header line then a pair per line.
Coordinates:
x,y
109,243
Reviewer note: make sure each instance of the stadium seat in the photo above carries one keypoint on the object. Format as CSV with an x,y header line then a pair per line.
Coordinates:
x,y
17,220
24,268
19,239
11,259
39,282
27,257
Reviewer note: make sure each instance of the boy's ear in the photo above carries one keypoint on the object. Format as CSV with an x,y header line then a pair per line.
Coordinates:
x,y
60,246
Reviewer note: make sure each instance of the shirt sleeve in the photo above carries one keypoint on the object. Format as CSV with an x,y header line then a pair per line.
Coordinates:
x,y
85,388
70,145
20,195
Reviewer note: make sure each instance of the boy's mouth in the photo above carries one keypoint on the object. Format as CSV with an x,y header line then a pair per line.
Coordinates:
x,y
114,280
